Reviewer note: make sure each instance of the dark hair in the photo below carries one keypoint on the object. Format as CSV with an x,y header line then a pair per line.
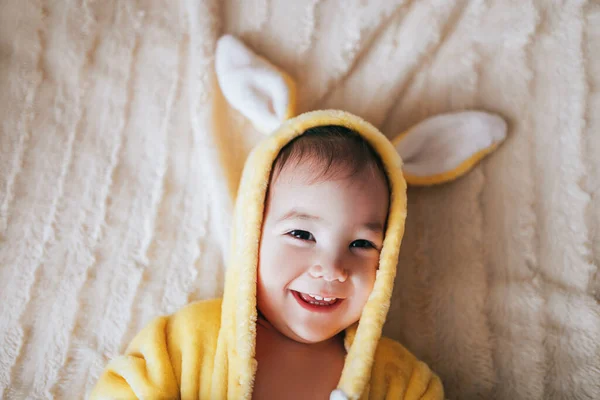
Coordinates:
x,y
332,152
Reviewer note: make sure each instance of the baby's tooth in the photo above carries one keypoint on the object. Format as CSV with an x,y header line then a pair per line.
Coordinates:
x,y
318,297
328,298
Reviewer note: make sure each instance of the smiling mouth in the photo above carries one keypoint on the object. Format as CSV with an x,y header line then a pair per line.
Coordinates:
x,y
315,302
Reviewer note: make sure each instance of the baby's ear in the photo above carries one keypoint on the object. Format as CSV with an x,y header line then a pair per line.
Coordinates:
x,y
254,86
445,147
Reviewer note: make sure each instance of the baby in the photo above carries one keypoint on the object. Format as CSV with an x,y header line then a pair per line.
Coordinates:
x,y
318,224
325,217
319,220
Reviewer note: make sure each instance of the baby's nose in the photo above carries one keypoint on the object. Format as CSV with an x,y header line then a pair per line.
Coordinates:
x,y
331,273
339,275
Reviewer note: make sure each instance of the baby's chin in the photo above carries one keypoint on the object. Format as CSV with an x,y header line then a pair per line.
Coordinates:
x,y
307,335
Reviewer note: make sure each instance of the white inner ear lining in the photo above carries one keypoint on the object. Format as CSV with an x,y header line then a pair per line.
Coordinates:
x,y
252,85
441,143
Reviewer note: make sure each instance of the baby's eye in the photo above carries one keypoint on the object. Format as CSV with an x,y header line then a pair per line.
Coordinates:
x,y
302,235
363,244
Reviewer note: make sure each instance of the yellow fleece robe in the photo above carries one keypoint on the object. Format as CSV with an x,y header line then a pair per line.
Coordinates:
x,y
206,350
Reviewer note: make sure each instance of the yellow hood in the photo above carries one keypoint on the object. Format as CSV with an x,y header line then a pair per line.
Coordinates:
x,y
239,313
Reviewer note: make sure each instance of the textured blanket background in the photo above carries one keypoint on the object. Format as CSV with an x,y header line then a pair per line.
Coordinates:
x,y
119,162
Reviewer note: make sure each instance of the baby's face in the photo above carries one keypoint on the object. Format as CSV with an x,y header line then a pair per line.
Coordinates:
x,y
319,252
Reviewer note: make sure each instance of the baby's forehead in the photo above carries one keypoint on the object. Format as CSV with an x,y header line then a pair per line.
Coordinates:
x,y
296,181
342,204
313,170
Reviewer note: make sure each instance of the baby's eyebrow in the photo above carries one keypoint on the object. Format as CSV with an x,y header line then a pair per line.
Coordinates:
x,y
374,226
297,214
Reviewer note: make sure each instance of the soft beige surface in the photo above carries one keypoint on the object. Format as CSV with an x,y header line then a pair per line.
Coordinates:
x,y
119,159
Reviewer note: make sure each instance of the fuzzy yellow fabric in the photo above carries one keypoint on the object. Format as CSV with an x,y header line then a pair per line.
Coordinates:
x,y
207,350
173,358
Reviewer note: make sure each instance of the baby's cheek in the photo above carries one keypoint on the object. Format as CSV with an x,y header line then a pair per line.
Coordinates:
x,y
280,264
367,282
293,256
370,273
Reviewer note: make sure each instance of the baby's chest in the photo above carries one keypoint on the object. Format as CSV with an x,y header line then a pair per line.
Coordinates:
x,y
297,376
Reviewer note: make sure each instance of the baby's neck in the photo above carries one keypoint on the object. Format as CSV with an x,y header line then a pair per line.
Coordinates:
x,y
286,365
